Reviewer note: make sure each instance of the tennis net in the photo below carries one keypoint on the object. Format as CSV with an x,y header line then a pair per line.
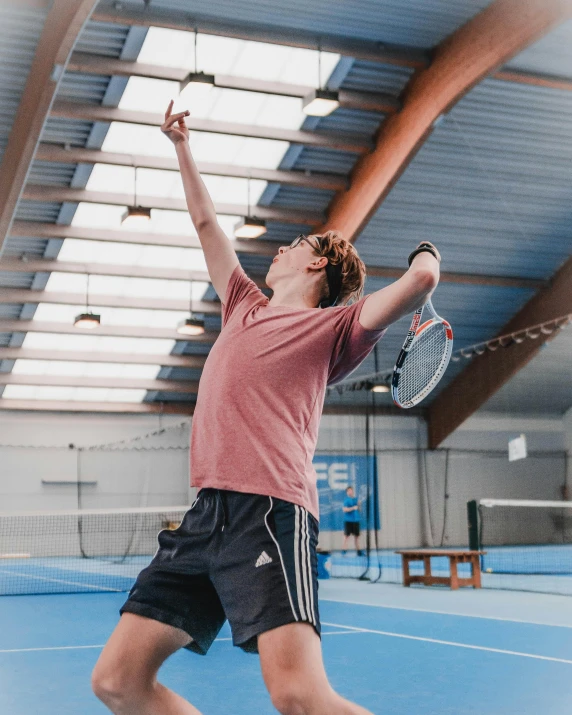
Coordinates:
x,y
528,543
79,551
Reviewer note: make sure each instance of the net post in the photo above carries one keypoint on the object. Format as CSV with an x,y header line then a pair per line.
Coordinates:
x,y
473,523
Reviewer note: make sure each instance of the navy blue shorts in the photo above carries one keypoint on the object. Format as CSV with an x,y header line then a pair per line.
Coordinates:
x,y
245,557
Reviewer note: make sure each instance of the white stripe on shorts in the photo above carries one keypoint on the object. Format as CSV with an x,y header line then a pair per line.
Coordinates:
x,y
281,561
297,527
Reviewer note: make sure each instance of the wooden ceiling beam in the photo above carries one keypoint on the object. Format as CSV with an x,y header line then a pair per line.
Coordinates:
x,y
112,331
77,155
257,247
461,61
17,296
359,48
77,406
64,22
187,361
120,383
37,192
97,64
43,265
487,373
327,140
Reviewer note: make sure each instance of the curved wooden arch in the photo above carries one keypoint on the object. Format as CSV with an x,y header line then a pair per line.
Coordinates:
x,y
61,30
474,51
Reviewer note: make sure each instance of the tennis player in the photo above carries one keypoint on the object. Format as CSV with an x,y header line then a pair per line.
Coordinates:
x,y
351,508
246,549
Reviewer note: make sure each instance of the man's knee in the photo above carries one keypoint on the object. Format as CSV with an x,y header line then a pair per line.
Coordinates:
x,y
293,699
115,688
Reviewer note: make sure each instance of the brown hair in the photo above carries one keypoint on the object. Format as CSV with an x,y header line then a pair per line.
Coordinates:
x,y
338,250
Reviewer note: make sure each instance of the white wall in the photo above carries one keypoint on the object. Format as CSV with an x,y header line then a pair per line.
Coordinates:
x,y
130,472
155,471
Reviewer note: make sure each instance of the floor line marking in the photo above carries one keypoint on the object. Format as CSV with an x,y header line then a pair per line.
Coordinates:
x,y
79,647
60,580
448,613
452,643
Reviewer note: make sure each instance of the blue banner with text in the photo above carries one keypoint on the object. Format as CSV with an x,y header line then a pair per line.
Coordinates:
x,y
335,473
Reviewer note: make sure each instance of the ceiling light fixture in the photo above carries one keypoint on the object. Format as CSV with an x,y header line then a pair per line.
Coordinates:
x,y
322,101
135,216
249,226
191,326
196,77
87,320
380,388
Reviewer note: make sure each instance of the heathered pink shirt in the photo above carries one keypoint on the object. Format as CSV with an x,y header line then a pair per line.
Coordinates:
x,y
262,390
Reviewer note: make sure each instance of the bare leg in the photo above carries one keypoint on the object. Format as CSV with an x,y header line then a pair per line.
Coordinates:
x,y
293,670
357,543
345,544
125,676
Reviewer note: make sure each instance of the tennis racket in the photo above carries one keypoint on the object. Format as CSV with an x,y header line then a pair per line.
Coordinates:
x,y
423,358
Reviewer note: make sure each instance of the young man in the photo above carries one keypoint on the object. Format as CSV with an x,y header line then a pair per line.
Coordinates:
x,y
351,520
246,549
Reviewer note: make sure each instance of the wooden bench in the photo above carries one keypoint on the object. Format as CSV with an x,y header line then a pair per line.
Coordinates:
x,y
455,557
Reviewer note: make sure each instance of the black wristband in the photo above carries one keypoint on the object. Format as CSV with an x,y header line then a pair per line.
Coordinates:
x,y
421,249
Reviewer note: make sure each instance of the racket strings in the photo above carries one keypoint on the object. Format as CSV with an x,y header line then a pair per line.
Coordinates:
x,y
423,362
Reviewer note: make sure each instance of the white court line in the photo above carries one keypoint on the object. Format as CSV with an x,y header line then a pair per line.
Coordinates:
x,y
447,613
60,580
79,647
452,643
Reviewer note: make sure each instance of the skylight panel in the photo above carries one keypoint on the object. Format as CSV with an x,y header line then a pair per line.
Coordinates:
x,y
168,184
72,394
171,222
206,102
98,344
241,58
53,313
137,139
76,250
68,368
124,287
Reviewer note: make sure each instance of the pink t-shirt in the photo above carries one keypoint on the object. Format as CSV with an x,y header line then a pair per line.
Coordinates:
x,y
262,390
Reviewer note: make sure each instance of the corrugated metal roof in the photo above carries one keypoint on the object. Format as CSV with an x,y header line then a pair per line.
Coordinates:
x,y
19,246
543,386
20,30
491,186
85,88
375,77
44,211
16,280
103,38
302,198
8,311
74,132
550,55
51,173
417,23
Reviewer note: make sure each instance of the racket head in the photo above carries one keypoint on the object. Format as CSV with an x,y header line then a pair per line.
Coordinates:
x,y
423,364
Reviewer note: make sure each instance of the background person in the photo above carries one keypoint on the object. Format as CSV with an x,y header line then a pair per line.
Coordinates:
x,y
351,520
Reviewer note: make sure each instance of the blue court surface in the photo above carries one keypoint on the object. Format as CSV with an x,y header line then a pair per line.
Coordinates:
x,y
393,650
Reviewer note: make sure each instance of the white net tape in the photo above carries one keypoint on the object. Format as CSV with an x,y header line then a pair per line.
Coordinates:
x,y
423,364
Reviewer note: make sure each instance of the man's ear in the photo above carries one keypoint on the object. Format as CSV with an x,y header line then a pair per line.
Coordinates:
x,y
319,263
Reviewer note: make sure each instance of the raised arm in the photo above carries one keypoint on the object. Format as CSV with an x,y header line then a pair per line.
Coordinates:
x,y
412,290
220,256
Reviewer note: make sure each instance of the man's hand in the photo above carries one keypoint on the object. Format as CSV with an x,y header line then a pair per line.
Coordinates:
x,y
174,125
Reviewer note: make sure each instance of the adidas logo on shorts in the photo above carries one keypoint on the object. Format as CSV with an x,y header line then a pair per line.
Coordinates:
x,y
263,559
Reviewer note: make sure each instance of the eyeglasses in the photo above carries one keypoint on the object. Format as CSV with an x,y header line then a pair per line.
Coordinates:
x,y
298,240
333,272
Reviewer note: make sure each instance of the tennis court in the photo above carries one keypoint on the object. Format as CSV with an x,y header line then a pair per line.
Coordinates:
x,y
392,651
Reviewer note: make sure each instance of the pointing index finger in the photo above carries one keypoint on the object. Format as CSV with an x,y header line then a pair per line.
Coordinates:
x,y
168,112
